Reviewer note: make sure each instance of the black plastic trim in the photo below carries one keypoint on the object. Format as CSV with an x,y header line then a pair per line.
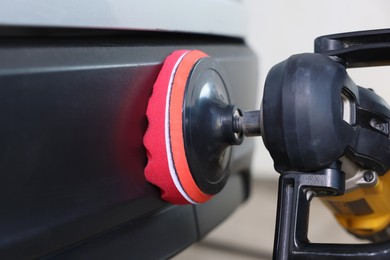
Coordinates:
x,y
72,158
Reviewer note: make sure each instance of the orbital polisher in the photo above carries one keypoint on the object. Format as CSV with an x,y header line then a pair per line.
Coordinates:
x,y
328,138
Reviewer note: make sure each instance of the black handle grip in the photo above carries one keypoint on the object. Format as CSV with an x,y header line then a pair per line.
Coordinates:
x,y
357,49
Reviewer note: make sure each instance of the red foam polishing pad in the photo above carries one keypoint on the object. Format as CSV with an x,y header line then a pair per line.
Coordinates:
x,y
167,165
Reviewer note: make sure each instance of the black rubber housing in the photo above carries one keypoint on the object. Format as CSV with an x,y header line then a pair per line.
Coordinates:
x,y
303,124
303,128
208,126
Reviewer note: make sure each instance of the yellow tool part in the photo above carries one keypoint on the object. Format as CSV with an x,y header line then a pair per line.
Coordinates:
x,y
364,211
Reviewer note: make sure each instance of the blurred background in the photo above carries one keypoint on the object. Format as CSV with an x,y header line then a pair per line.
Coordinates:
x,y
276,30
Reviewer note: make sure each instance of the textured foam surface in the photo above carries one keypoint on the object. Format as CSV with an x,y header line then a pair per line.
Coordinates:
x,y
167,165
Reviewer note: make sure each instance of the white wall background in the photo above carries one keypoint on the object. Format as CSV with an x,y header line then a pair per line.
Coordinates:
x,y
280,28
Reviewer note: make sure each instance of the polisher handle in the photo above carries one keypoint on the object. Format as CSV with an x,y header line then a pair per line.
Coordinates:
x,y
357,49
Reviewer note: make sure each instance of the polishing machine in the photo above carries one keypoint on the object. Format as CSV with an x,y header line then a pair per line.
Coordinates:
x,y
328,137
